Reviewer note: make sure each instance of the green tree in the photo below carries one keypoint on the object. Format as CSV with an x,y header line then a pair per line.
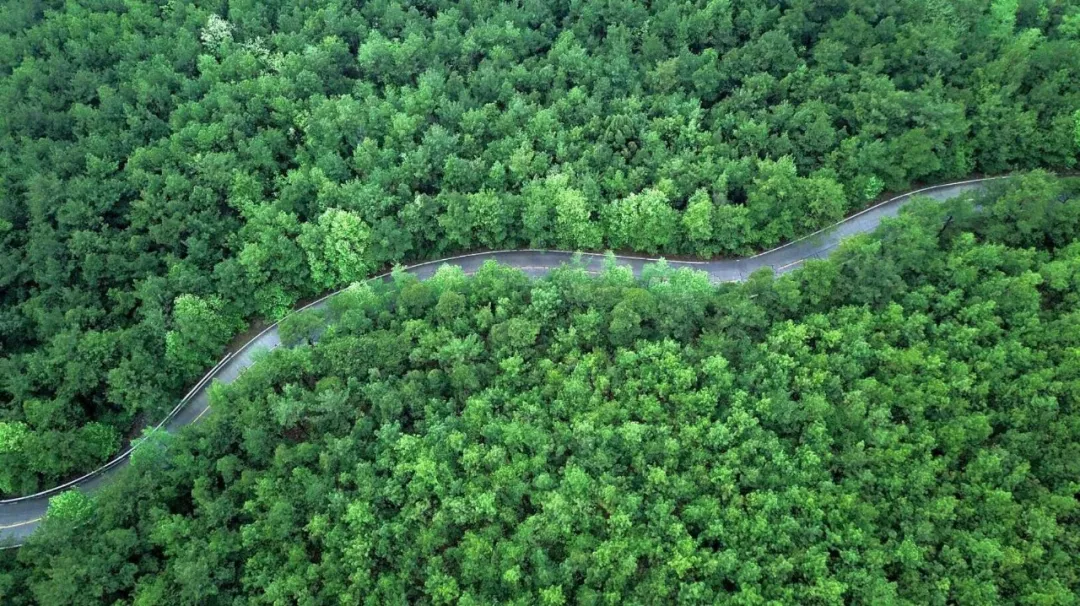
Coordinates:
x,y
698,220
70,506
301,327
335,247
200,328
1076,128
574,227
644,221
201,150
12,439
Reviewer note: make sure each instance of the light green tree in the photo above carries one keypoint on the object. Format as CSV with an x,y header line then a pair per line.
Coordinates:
x,y
1004,12
697,220
643,222
574,227
12,436
335,247
70,506
200,327
1076,128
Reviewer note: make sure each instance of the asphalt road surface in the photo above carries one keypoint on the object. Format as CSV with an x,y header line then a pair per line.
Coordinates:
x,y
19,517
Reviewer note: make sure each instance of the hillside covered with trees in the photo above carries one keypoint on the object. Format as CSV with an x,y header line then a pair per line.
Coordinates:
x,y
170,171
895,425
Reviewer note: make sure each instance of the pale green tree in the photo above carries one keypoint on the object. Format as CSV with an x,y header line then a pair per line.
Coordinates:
x,y
643,222
697,220
70,506
335,247
554,213
1076,128
574,227
12,436
200,328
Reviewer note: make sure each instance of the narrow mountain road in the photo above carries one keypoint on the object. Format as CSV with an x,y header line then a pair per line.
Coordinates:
x,y
20,516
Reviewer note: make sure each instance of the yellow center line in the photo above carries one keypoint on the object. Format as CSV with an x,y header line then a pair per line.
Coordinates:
x,y
20,524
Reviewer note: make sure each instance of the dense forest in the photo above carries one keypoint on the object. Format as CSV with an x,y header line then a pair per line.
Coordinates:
x,y
170,171
898,424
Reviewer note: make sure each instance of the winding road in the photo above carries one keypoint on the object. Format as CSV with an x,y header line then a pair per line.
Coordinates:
x,y
20,516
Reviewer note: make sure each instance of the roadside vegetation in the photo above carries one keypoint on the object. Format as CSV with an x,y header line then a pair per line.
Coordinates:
x,y
170,171
895,425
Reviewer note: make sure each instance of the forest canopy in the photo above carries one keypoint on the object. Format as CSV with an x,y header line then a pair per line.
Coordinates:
x,y
170,171
895,425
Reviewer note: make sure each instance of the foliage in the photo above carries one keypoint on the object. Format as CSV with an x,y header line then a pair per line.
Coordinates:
x,y
335,247
1076,127
303,326
642,221
260,153
12,440
199,330
896,424
70,506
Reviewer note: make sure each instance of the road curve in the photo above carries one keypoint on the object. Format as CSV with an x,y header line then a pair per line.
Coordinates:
x,y
20,516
